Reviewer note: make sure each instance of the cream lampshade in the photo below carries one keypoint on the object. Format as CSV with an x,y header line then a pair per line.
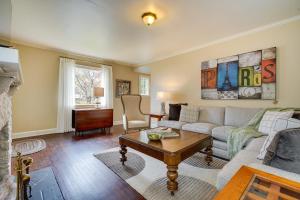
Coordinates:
x,y
98,92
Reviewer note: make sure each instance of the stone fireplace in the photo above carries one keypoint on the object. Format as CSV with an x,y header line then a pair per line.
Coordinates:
x,y
10,79
7,181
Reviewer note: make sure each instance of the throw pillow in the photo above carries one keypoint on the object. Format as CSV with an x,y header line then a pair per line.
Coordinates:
x,y
267,126
189,114
282,124
283,152
174,111
270,118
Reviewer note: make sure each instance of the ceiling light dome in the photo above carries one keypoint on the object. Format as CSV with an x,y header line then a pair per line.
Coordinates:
x,y
149,18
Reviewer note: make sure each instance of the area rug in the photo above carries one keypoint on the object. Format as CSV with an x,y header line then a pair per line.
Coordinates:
x,y
28,147
44,185
147,175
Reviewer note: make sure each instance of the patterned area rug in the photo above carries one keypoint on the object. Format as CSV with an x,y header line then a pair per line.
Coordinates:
x,y
189,188
198,160
148,175
28,147
112,160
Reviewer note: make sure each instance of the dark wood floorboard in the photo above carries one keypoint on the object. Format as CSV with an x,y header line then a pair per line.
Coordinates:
x,y
79,174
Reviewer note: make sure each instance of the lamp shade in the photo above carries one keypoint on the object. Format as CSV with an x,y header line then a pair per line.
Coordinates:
x,y
163,96
98,91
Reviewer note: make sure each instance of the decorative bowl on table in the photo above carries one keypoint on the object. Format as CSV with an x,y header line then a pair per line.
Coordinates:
x,y
154,136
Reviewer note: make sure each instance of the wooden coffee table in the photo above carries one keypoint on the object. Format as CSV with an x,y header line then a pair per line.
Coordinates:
x,y
171,150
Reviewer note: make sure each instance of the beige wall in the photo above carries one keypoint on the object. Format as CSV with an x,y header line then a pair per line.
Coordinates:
x,y
35,103
181,74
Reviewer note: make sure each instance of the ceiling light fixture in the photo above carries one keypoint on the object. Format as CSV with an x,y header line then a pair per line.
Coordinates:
x,y
149,18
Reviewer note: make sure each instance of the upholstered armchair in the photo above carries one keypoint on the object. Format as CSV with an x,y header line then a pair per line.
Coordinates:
x,y
133,117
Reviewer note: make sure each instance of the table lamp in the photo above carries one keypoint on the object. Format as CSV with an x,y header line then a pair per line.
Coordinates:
x,y
98,92
163,96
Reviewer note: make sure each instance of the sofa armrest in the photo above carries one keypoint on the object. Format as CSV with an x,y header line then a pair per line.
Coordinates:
x,y
278,172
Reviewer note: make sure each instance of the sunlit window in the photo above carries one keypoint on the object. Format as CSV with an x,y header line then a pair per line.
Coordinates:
x,y
144,85
85,81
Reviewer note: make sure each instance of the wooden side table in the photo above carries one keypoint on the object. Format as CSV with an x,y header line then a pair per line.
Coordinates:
x,y
249,183
157,116
92,118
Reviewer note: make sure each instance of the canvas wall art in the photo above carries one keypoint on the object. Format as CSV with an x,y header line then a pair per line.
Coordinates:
x,y
249,75
122,87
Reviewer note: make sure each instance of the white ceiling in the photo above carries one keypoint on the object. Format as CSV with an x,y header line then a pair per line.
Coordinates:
x,y
113,29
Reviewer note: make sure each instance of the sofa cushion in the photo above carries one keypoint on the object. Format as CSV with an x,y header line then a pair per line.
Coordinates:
x,y
199,127
137,123
214,115
220,144
243,157
171,124
255,144
237,116
221,132
189,114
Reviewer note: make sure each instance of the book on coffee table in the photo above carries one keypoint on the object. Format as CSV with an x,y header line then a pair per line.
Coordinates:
x,y
169,134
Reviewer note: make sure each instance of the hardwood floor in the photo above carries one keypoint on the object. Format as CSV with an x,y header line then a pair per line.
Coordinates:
x,y
79,174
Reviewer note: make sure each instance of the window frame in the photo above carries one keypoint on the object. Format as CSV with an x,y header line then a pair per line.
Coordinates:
x,y
149,84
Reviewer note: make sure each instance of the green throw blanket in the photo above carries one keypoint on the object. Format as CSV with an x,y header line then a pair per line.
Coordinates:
x,y
238,137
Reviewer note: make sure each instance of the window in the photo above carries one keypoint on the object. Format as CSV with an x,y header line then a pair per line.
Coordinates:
x,y
144,85
86,78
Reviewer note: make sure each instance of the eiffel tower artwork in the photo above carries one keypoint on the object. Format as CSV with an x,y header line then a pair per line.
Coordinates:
x,y
227,84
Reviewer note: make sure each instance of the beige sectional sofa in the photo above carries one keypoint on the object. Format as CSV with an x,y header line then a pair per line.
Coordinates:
x,y
218,121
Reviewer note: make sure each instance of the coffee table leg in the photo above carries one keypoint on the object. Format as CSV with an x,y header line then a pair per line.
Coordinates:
x,y
172,174
209,154
123,151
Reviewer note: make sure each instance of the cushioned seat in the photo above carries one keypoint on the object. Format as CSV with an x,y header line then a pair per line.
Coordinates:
x,y
199,127
255,144
221,132
171,124
244,157
137,123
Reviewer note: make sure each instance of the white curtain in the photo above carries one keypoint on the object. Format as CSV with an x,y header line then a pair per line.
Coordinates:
x,y
107,84
66,94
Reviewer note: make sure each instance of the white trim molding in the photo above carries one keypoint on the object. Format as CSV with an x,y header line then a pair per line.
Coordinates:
x,y
34,133
26,134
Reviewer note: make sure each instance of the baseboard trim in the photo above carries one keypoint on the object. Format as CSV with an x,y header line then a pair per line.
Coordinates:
x,y
26,134
34,133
